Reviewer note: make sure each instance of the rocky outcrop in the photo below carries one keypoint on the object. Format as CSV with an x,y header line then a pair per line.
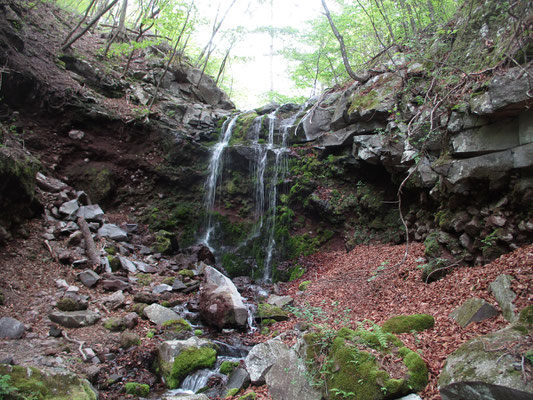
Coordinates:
x,y
221,304
489,367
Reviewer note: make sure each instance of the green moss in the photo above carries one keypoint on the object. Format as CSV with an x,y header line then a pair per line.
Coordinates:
x,y
111,250
431,244
168,280
296,273
304,285
266,322
189,360
418,371
164,242
186,272
227,367
232,392
526,315
177,325
268,311
139,308
2,299
34,384
143,279
248,396
129,339
67,304
198,332
114,263
408,323
114,324
444,219
137,389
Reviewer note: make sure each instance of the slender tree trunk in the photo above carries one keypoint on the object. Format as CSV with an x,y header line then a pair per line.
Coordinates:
x,y
91,23
122,21
431,11
335,75
349,70
223,64
385,19
79,23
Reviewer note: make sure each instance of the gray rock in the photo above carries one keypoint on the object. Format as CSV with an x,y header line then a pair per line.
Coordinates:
x,y
127,264
184,396
89,278
178,285
411,396
145,268
75,319
75,238
316,122
288,379
114,301
162,289
159,315
501,289
489,138
239,379
473,310
92,213
279,301
76,134
261,358
113,232
11,328
485,369
221,304
70,208
49,184
130,320
72,301
115,284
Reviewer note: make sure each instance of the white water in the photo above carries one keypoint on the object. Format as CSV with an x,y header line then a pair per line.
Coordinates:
x,y
215,172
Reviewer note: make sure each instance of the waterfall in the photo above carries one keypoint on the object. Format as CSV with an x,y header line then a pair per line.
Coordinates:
x,y
215,172
269,167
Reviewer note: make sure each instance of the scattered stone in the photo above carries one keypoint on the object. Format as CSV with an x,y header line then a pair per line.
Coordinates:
x,y
496,220
501,289
127,264
261,358
91,213
72,302
280,301
115,284
54,331
49,184
76,134
239,379
178,285
89,278
75,319
130,320
473,310
144,297
11,328
70,208
81,263
114,301
221,304
145,268
114,324
113,232
162,289
75,238
159,314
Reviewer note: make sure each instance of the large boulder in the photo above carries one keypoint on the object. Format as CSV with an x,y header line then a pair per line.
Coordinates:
x,y
221,304
33,383
501,289
488,368
75,319
473,310
261,358
178,358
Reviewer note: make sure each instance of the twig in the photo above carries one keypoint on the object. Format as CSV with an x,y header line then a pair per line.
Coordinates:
x,y
79,342
51,250
440,269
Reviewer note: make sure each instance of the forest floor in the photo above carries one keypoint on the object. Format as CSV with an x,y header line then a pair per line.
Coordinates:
x,y
365,284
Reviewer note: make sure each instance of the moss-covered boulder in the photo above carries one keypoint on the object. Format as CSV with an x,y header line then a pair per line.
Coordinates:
x,y
356,364
485,368
271,312
178,358
227,367
408,323
33,383
137,389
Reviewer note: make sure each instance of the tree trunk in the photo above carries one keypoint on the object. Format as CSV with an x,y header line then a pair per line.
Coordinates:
x,y
349,70
81,21
90,247
91,23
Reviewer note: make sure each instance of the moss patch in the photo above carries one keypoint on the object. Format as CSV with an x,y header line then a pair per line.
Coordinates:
x,y
190,360
227,367
408,323
137,389
177,325
268,311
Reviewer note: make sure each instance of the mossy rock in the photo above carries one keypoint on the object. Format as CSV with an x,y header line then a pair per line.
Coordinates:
x,y
526,316
2,299
304,285
268,311
227,367
129,339
67,304
186,272
143,279
188,360
296,273
267,322
353,364
139,309
137,389
32,383
177,325
114,324
408,323
435,269
232,392
432,246
165,242
114,263
248,396
169,280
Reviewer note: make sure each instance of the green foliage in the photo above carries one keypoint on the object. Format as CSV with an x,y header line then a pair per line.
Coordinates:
x,y
526,315
304,285
5,386
296,273
137,389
